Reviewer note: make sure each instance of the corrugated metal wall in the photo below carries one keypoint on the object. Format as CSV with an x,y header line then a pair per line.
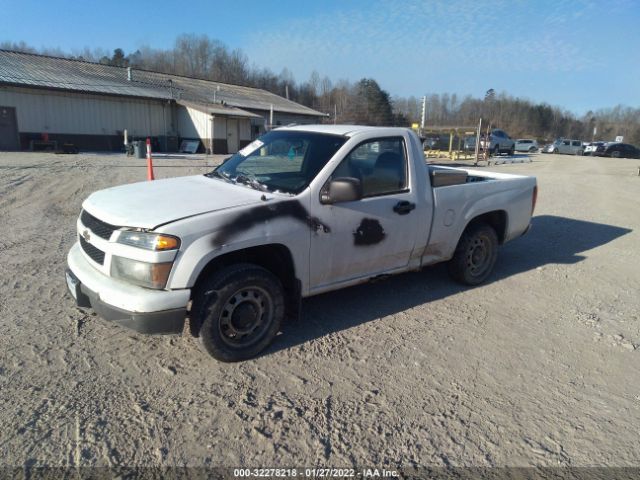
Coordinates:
x,y
193,123
245,130
96,121
220,128
73,113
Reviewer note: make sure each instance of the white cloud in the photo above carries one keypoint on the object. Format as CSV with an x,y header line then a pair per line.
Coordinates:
x,y
411,40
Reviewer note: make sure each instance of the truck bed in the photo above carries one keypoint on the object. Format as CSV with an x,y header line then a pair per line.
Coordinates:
x,y
462,194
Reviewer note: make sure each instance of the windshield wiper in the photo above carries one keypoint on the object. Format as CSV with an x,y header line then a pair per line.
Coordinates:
x,y
217,174
251,182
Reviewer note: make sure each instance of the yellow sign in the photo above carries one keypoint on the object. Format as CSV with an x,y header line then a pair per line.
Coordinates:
x,y
415,126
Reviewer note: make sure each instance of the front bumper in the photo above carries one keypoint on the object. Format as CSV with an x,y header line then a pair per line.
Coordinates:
x,y
141,309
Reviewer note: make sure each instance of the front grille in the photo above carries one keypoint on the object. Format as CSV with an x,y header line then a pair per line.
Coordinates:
x,y
100,228
94,253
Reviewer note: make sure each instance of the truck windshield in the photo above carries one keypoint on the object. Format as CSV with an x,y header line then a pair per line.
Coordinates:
x,y
283,161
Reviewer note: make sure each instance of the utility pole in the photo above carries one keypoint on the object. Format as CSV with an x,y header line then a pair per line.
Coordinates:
x,y
335,113
478,141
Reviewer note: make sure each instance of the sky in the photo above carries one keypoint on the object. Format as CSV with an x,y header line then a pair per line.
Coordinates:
x,y
580,55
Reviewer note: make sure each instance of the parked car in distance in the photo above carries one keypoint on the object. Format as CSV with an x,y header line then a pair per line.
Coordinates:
x,y
526,145
430,143
591,147
564,146
469,143
617,150
499,142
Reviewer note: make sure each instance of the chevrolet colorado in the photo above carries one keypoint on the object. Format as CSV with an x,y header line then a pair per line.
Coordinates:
x,y
300,211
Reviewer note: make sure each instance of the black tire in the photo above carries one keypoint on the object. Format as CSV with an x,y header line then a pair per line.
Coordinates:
x,y
475,255
533,150
512,151
615,154
496,150
555,150
239,310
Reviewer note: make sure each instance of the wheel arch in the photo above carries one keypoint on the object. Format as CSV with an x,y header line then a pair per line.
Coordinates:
x,y
497,219
275,257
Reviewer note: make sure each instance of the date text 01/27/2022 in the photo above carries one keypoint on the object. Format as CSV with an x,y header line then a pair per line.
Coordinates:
x,y
314,473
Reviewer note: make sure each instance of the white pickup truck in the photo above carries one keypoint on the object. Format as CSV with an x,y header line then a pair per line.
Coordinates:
x,y
300,211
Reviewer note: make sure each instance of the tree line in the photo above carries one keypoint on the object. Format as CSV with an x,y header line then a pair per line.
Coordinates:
x,y
364,101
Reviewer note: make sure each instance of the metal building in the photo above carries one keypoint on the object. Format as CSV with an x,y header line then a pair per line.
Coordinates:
x,y
48,101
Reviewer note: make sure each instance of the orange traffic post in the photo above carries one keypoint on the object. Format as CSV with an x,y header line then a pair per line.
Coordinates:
x,y
149,161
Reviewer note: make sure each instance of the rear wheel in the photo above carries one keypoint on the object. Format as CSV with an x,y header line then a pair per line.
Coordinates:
x,y
555,150
532,149
615,154
512,151
475,255
496,150
240,310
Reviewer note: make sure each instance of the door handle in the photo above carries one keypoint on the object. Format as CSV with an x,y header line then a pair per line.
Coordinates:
x,y
403,207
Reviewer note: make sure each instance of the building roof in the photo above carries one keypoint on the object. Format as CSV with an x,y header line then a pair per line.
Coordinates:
x,y
218,109
41,71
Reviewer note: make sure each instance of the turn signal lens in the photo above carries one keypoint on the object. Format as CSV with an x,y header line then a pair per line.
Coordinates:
x,y
164,242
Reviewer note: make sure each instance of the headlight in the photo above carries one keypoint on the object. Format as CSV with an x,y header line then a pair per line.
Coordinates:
x,y
149,241
151,275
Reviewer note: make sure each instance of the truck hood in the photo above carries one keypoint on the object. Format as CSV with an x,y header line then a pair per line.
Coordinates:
x,y
150,204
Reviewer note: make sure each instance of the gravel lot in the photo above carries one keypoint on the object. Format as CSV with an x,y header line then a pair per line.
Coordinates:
x,y
538,367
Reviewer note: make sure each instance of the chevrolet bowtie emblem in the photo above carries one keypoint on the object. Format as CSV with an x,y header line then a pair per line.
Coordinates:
x,y
86,235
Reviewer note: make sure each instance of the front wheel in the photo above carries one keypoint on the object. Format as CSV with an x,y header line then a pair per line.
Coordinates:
x,y
240,310
475,255
496,150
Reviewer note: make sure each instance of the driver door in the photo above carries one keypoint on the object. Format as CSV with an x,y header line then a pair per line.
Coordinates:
x,y
376,233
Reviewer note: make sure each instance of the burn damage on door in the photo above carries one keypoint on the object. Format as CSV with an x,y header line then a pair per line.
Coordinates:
x,y
257,215
369,232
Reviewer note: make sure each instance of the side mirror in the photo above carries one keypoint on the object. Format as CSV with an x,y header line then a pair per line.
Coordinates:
x,y
343,189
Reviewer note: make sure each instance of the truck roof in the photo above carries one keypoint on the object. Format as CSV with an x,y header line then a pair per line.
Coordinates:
x,y
346,130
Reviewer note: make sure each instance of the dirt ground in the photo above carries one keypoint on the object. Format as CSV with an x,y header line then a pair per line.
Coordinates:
x,y
540,366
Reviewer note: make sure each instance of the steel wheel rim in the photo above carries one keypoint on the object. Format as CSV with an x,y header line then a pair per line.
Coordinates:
x,y
478,256
245,317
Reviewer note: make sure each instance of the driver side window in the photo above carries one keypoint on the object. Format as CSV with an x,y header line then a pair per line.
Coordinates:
x,y
380,165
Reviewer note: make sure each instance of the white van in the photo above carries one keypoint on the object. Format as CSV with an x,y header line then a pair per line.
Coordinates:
x,y
562,145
